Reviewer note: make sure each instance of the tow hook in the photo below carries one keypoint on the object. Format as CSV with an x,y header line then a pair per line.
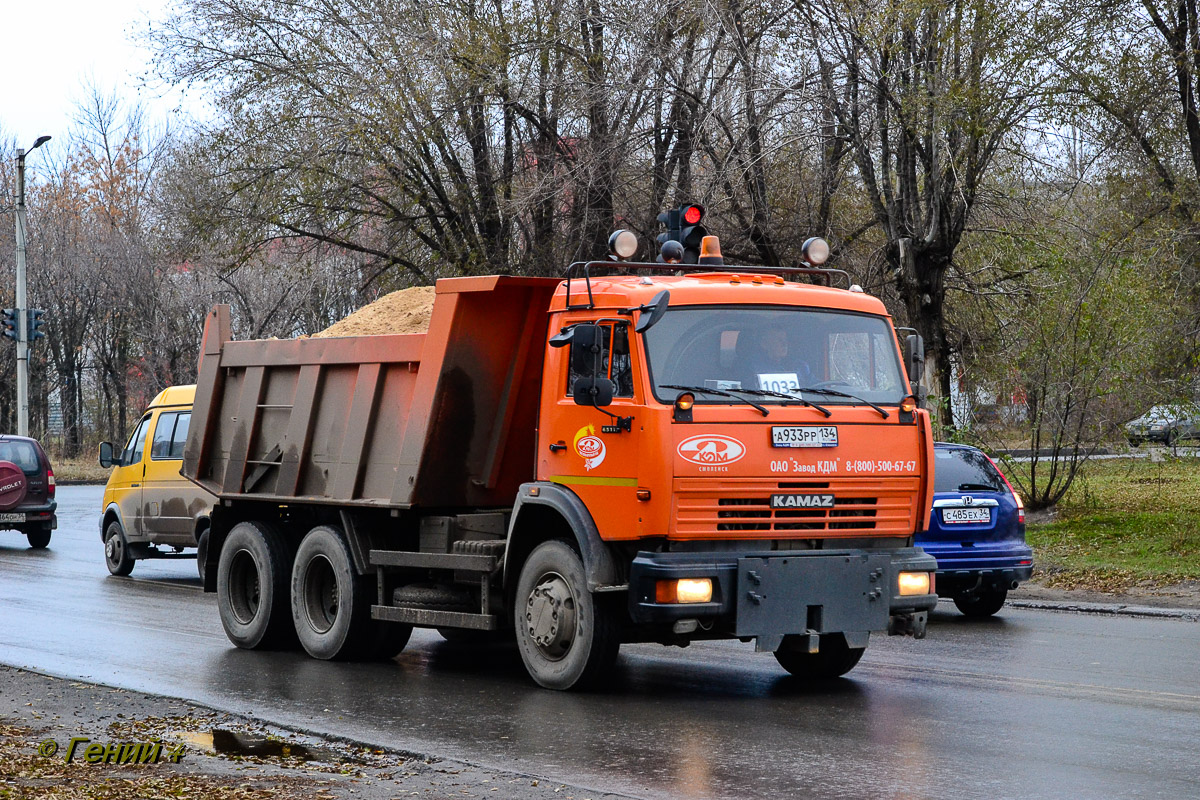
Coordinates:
x,y
908,624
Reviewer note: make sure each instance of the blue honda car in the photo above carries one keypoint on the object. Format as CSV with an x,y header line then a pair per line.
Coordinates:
x,y
976,531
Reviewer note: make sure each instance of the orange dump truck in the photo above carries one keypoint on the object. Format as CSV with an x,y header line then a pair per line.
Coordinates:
x,y
579,463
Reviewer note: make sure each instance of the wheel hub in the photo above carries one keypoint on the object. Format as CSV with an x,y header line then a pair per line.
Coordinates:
x,y
320,594
244,590
550,616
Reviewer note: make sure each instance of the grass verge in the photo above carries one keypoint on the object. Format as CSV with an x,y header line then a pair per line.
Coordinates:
x,y
79,470
1124,523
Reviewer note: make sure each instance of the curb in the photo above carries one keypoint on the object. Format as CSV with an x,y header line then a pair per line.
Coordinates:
x,y
312,732
1111,609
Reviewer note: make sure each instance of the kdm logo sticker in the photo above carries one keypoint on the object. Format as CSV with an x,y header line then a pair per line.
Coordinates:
x,y
590,447
711,450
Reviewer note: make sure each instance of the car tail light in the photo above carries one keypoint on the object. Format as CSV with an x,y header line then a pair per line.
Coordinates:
x,y
1016,497
50,487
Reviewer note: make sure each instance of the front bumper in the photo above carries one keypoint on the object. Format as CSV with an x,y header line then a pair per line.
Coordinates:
x,y
767,596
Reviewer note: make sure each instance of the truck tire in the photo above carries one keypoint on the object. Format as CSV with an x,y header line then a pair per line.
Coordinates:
x,y
834,659
116,550
38,538
331,603
567,640
202,553
252,587
981,604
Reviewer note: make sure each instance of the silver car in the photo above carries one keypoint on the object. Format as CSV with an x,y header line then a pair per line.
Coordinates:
x,y
1167,424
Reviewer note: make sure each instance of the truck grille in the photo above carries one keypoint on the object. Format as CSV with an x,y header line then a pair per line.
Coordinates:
x,y
719,508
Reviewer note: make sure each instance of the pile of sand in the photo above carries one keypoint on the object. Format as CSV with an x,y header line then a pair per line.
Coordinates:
x,y
405,311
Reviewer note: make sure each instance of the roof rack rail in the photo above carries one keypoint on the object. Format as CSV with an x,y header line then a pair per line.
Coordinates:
x,y
581,270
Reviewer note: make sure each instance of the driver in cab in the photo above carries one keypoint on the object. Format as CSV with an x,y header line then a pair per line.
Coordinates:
x,y
775,367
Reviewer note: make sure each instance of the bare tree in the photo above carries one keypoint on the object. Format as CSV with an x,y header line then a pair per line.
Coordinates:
x,y
927,94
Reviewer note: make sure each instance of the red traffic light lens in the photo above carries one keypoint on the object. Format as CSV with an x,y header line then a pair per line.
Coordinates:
x,y
693,214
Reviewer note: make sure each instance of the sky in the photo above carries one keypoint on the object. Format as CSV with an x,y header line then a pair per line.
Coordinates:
x,y
51,49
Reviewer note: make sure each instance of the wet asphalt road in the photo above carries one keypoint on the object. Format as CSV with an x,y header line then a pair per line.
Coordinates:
x,y
1030,704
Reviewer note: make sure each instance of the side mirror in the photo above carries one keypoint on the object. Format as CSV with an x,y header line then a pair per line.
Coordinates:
x,y
106,455
586,343
653,312
915,345
596,392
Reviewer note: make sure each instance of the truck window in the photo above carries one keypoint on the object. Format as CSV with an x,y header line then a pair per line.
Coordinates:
x,y
137,442
860,360
780,349
614,355
181,432
163,431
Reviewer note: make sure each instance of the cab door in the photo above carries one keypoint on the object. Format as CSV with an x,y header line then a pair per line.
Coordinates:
x,y
166,515
593,454
125,483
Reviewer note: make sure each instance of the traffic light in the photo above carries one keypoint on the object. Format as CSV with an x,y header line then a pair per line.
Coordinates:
x,y
683,226
10,323
671,220
692,233
34,321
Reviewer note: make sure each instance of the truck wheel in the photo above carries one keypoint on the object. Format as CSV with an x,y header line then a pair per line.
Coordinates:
x,y
38,539
116,550
252,587
834,659
567,640
981,604
202,553
331,603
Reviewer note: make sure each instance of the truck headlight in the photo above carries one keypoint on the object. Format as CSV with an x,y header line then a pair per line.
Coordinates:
x,y
684,590
914,583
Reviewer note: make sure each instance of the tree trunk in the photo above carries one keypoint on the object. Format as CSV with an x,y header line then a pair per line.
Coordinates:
x,y
920,280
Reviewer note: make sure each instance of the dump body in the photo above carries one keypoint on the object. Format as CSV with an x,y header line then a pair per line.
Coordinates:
x,y
446,418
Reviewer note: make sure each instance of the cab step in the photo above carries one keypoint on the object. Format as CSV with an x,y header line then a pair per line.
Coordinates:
x,y
428,618
460,562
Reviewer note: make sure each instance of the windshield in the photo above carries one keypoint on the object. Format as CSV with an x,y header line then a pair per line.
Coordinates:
x,y
1163,414
727,348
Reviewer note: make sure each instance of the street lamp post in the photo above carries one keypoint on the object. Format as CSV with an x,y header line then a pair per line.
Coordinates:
x,y
22,310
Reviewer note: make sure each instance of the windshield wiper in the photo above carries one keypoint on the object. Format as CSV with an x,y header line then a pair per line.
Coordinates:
x,y
963,487
785,396
717,392
836,393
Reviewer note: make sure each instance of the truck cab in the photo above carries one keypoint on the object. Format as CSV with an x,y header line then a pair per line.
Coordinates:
x,y
760,442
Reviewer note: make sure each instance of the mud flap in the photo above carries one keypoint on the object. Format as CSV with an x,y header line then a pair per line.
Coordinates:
x,y
908,624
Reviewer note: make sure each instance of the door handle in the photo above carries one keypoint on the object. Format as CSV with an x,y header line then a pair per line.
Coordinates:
x,y
554,448
134,485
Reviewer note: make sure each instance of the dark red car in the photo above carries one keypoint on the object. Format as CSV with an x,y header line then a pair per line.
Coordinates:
x,y
26,489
